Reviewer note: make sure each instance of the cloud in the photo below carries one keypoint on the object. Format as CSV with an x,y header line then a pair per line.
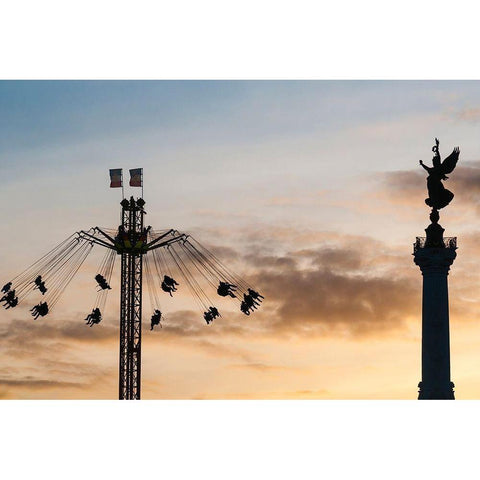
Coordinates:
x,y
322,301
267,262
22,338
466,184
47,357
266,368
408,186
469,115
37,384
330,257
404,187
48,373
271,395
300,199
349,285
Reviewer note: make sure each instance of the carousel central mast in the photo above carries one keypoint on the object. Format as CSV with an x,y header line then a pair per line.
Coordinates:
x,y
131,250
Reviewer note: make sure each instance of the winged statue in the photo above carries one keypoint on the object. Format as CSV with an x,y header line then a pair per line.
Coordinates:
x,y
438,195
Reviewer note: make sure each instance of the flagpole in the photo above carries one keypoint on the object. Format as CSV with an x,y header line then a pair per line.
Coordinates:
x,y
123,194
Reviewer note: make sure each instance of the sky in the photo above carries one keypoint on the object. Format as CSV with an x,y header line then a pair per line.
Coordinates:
x,y
310,190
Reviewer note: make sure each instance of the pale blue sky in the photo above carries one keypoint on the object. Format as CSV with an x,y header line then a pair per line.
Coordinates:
x,y
49,114
58,113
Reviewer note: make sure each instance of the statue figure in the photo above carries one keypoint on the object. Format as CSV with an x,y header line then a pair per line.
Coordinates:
x,y
438,195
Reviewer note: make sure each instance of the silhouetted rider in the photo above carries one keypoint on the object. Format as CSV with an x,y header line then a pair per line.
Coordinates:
x,y
102,282
155,320
40,309
43,288
255,294
12,303
8,296
250,301
226,289
245,308
208,316
169,285
170,282
9,299
94,318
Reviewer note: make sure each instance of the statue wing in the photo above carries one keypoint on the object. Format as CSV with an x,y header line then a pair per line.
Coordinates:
x,y
449,164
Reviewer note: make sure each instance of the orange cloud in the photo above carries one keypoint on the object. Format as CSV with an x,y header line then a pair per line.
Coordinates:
x,y
469,114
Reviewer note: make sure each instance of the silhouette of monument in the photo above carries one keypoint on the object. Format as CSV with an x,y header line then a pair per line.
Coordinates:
x,y
434,254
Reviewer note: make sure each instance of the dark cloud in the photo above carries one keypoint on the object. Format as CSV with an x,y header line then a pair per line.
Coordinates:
x,y
404,181
25,338
24,330
326,299
269,261
407,187
330,257
42,357
466,183
348,285
224,253
189,323
37,384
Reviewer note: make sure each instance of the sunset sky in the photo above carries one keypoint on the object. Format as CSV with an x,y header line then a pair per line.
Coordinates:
x,y
310,190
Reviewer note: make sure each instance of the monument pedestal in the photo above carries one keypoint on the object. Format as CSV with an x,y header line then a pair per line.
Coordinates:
x,y
434,260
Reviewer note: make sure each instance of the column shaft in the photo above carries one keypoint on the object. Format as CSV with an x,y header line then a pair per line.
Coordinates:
x,y
435,264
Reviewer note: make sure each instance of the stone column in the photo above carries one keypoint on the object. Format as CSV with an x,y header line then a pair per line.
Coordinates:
x,y
434,260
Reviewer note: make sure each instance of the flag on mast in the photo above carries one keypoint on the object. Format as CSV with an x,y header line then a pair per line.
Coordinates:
x,y
136,179
116,178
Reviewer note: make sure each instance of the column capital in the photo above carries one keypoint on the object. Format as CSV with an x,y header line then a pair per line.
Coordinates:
x,y
434,260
